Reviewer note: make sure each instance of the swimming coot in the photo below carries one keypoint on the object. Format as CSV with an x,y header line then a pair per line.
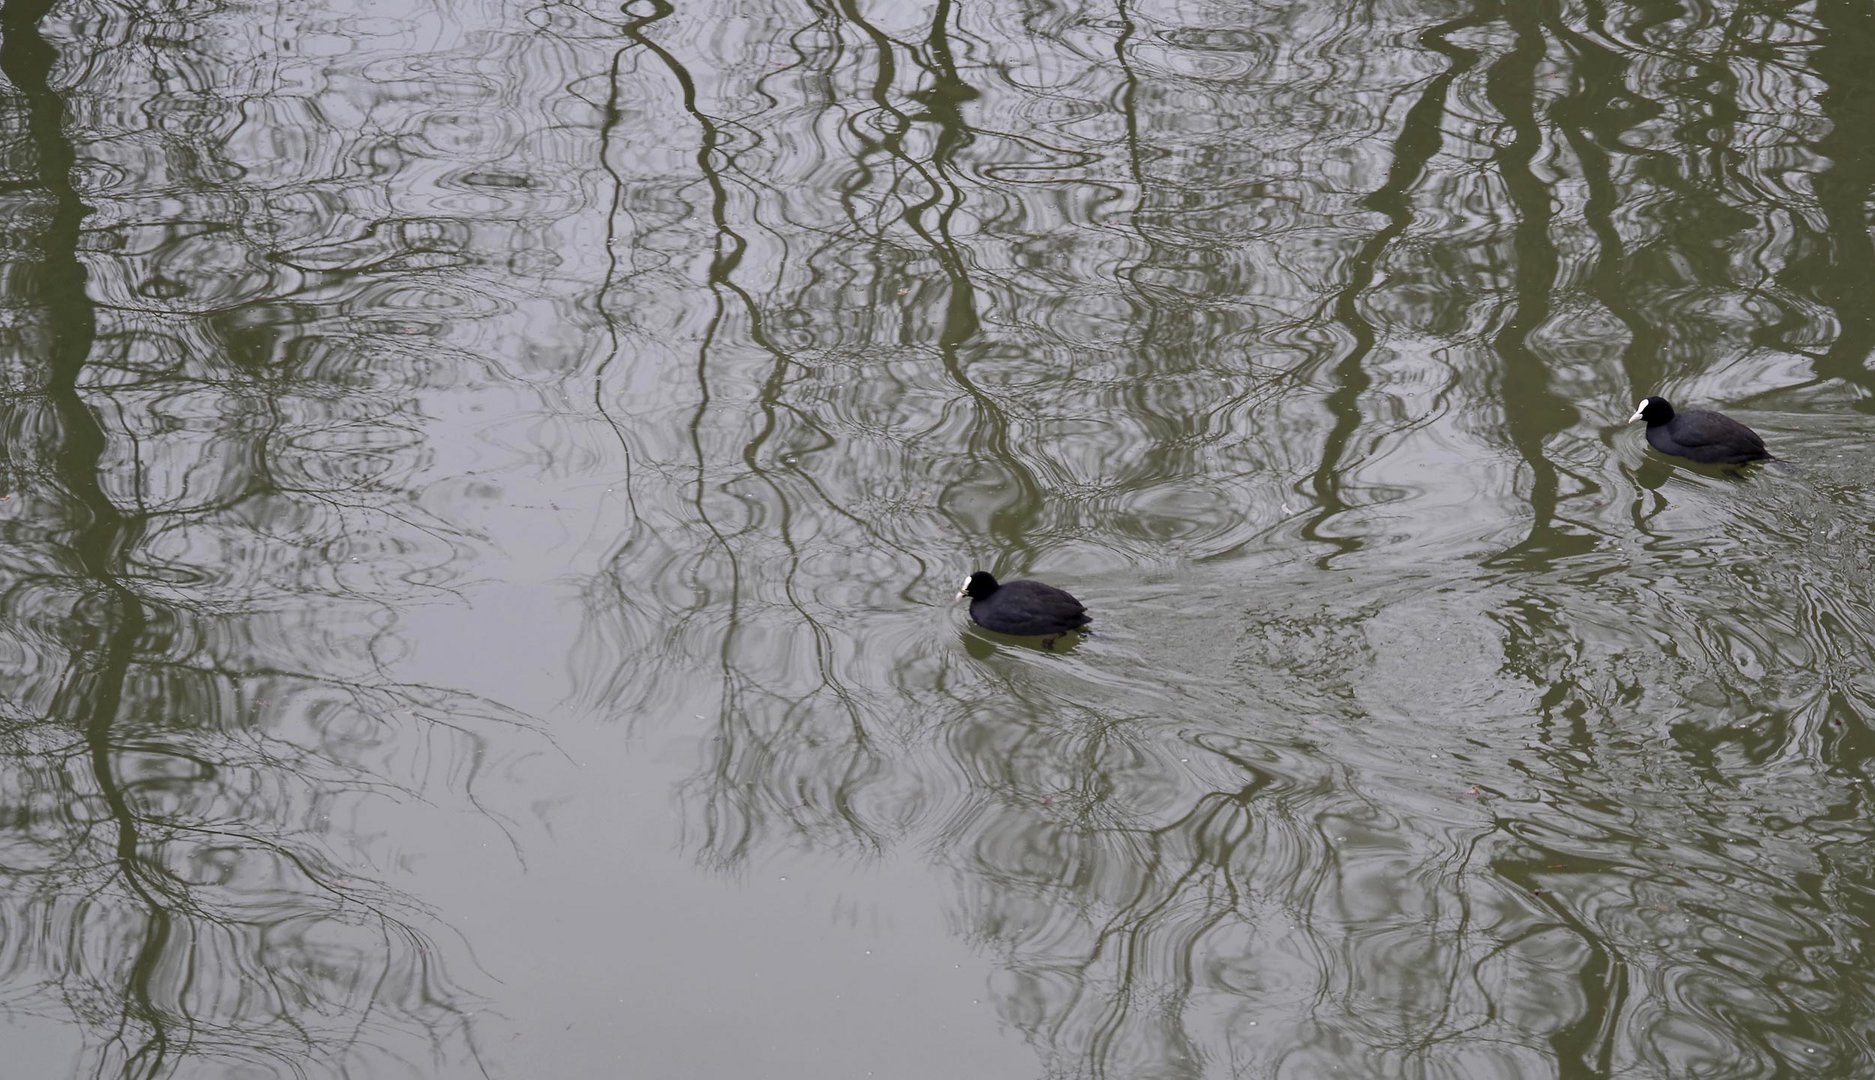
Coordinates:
x,y
1698,434
1027,608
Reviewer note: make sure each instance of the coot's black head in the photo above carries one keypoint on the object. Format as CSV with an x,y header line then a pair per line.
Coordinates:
x,y
978,585
1654,410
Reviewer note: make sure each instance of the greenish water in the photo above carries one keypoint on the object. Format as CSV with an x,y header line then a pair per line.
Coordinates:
x,y
483,486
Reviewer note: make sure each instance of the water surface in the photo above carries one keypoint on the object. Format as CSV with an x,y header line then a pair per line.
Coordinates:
x,y
483,485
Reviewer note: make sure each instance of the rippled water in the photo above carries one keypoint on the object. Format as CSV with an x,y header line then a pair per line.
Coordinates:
x,y
483,485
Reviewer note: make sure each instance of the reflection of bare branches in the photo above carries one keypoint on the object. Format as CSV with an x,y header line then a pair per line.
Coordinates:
x,y
1843,272
744,703
209,790
1420,138
181,790
1101,898
1535,413
894,279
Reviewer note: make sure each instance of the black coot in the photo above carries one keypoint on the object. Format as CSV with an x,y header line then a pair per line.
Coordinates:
x,y
1698,434
1027,608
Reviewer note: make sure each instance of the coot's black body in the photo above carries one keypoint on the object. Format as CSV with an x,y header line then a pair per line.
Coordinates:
x,y
1025,608
1699,435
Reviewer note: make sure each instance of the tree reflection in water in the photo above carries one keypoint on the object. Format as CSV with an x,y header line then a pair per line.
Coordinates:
x,y
1300,323
208,542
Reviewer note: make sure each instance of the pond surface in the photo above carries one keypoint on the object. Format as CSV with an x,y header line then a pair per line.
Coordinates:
x,y
484,483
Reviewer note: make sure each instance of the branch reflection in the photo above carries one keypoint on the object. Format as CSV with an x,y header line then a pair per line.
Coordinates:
x,y
210,539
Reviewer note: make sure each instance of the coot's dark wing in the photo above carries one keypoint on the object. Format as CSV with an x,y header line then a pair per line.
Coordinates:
x,y
1715,437
1029,607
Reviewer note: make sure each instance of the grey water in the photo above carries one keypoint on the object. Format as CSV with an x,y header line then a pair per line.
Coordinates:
x,y
484,483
